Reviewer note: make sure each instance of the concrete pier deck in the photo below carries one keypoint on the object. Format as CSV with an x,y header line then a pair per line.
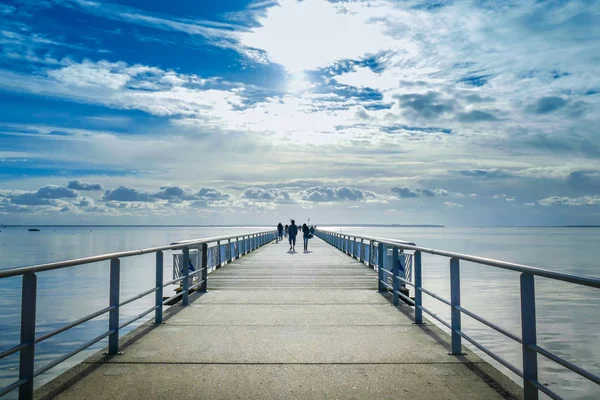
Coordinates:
x,y
280,325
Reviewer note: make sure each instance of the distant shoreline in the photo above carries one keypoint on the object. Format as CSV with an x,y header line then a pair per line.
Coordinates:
x,y
323,225
214,226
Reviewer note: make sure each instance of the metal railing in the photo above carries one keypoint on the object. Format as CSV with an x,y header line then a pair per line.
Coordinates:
x,y
358,247
236,247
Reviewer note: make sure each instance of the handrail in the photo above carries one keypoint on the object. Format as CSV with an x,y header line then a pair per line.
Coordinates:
x,y
572,278
5,273
378,253
27,373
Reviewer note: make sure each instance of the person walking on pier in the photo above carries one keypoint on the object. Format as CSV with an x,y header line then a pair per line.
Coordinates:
x,y
286,230
293,231
280,231
306,236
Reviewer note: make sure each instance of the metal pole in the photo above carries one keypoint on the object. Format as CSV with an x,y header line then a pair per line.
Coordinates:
x,y
380,265
237,247
27,356
218,254
455,302
204,273
229,249
418,286
158,301
395,275
362,248
528,335
186,272
113,316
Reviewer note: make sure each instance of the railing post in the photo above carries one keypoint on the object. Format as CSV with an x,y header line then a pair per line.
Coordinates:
x,y
158,295
113,316
237,248
229,249
371,251
528,335
204,273
380,266
186,272
418,286
455,302
218,254
395,275
362,248
27,356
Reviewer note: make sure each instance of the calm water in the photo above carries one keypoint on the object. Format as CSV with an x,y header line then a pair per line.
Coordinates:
x,y
568,315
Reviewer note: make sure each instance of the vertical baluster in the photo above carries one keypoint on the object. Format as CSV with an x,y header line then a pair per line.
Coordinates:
x,y
395,275
204,273
218,254
113,316
237,248
529,336
230,256
455,302
158,295
418,286
27,356
186,272
362,248
380,266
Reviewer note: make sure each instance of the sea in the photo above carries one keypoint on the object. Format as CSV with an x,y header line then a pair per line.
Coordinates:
x,y
568,316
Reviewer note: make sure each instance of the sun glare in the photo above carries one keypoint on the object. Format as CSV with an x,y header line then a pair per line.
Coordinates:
x,y
298,83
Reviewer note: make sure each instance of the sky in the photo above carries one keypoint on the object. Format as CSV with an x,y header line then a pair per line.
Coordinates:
x,y
459,113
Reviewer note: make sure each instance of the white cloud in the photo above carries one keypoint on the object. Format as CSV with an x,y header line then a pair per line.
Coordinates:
x,y
452,205
312,33
591,200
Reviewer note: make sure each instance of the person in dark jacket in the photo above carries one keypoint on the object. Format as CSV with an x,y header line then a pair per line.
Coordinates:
x,y
280,231
293,232
306,235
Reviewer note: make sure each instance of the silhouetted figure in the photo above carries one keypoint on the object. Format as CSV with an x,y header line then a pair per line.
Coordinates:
x,y
293,232
306,235
286,230
280,231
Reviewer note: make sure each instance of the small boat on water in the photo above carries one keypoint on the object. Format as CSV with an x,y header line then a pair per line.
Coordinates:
x,y
33,230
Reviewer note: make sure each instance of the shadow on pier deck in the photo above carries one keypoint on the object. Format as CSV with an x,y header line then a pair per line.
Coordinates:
x,y
281,325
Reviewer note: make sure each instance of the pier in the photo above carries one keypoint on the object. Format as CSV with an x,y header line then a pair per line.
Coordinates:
x,y
258,321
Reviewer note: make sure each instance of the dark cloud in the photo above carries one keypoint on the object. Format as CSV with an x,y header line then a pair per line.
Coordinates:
x,y
128,194
400,128
31,199
548,104
584,181
476,116
56,192
261,194
332,194
406,193
79,185
482,173
212,194
429,105
475,98
177,194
